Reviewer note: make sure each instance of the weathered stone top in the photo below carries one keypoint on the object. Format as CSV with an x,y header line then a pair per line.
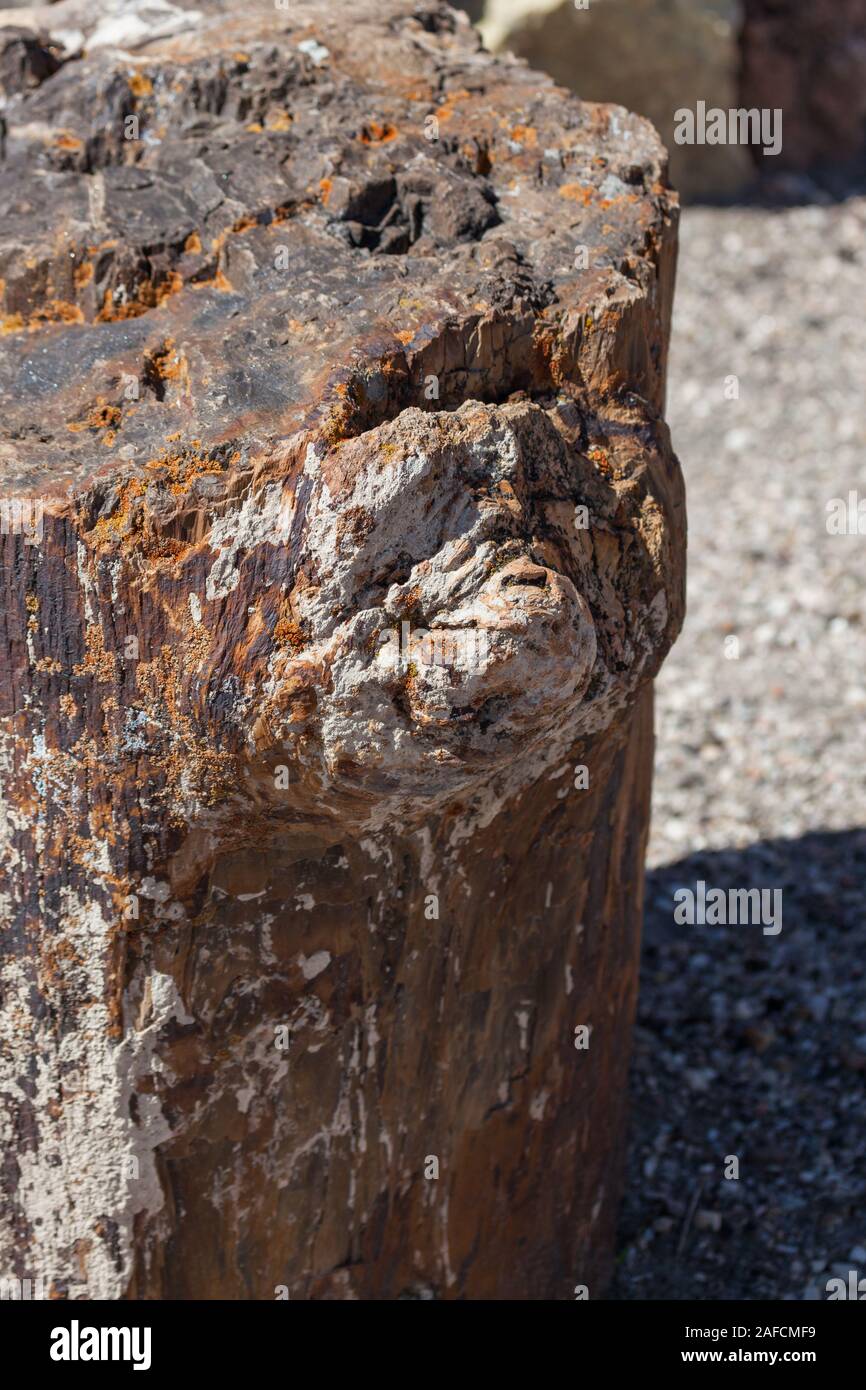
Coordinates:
x,y
285,246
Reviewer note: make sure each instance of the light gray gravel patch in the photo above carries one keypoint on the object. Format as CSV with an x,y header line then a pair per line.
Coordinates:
x,y
771,743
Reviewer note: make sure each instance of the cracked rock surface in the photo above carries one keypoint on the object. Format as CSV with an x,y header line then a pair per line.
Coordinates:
x,y
333,356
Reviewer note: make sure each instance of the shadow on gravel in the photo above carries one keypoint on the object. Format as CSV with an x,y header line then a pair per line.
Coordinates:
x,y
750,1047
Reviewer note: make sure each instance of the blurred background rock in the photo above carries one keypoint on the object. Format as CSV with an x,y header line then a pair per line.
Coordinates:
x,y
809,58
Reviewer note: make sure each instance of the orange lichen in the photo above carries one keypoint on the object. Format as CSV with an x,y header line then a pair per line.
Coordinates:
x,y
111,528
53,311
167,547
147,296
600,459
197,644
377,133
446,110
98,660
287,633
183,465
577,193
58,311
192,245
164,364
140,84
100,417
217,281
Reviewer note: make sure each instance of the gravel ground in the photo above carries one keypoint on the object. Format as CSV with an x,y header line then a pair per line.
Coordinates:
x,y
749,1044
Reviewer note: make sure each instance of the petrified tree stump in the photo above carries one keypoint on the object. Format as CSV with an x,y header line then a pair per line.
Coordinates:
x,y
342,540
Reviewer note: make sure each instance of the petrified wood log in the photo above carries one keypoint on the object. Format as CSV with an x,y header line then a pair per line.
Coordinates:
x,y
342,540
